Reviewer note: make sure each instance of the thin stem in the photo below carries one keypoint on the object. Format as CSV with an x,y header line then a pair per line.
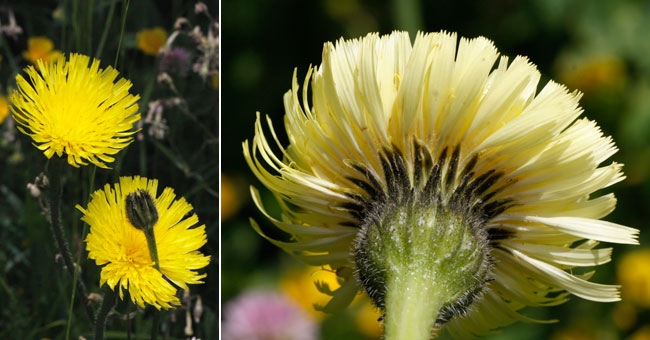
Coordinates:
x,y
156,325
107,26
9,54
153,249
110,299
55,168
153,252
125,10
90,4
75,25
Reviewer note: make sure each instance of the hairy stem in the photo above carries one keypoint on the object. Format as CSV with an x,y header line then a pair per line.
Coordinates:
x,y
110,299
412,305
55,168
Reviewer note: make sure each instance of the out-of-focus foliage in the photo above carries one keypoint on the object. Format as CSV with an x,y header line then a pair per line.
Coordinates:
x,y
177,143
598,47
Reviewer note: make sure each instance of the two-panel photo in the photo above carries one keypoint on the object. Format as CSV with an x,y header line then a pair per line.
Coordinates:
x,y
324,170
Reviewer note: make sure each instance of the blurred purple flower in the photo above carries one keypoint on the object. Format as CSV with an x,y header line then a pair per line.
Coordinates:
x,y
175,61
266,316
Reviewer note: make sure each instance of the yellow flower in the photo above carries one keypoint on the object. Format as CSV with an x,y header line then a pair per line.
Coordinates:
x,y
231,199
299,284
4,108
634,275
642,334
624,314
151,40
114,243
367,319
574,333
595,73
40,48
215,81
67,107
440,142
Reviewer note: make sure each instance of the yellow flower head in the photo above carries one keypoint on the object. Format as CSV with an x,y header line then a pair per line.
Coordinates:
x,y
634,275
114,243
4,108
446,140
367,319
68,107
150,40
40,48
301,286
592,74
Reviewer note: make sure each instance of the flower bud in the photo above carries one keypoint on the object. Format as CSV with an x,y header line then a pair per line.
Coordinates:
x,y
141,210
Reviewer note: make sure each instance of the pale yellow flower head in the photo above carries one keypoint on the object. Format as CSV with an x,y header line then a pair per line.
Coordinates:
x,y
150,40
122,250
75,108
40,48
447,135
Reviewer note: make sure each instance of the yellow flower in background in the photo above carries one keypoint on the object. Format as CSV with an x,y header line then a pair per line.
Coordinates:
x,y
4,108
574,333
230,197
122,251
215,81
40,48
367,317
634,275
301,285
150,40
591,74
446,146
642,334
624,314
69,107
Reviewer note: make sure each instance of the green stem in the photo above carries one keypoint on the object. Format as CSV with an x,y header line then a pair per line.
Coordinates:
x,y
9,54
110,299
107,26
156,325
153,249
55,168
153,252
125,9
412,305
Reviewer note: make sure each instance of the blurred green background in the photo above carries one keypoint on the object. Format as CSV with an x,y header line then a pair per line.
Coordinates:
x,y
34,290
601,48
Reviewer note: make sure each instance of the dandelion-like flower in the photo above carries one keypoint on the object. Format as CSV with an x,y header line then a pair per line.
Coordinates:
x,y
442,184
69,107
151,40
122,249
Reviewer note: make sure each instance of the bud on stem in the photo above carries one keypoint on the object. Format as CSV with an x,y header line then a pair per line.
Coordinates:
x,y
421,264
142,213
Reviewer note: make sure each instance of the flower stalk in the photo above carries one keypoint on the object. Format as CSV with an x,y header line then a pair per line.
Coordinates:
x,y
412,305
142,214
109,301
55,168
422,263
